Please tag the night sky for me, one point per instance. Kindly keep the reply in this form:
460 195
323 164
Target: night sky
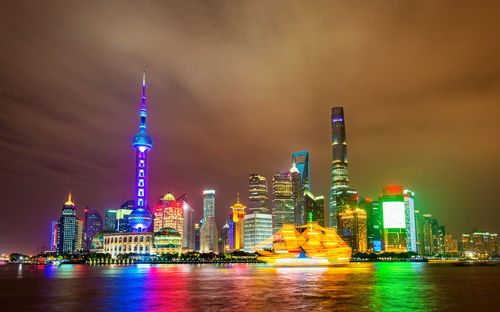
235 87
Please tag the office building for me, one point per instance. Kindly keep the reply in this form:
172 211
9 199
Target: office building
110 220
297 195
283 204
122 223
53 235
258 227
140 219
451 245
352 228
428 244
340 178
188 215
480 245
79 238
197 228
169 214
92 224
238 217
67 241
411 223
301 161
208 232
314 208
373 223
393 218
257 194
345 198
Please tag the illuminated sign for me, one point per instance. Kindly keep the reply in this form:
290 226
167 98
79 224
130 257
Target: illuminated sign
377 246
394 215
209 192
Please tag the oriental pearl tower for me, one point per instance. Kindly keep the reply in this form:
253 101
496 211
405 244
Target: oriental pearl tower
140 219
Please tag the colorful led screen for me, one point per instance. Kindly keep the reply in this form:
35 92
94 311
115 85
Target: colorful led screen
394 215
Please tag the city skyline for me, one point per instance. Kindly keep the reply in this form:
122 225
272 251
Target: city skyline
202 140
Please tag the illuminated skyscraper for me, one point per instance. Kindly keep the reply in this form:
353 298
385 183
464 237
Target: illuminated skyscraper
110 220
340 178
314 208
53 235
68 228
140 219
352 226
258 227
451 244
283 204
373 223
257 194
122 216
208 232
301 161
188 215
79 238
92 223
169 214
238 217
411 223
482 245
345 198
298 195
394 220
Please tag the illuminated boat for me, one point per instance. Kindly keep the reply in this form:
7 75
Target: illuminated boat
306 245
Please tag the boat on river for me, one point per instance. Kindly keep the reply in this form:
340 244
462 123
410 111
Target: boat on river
305 245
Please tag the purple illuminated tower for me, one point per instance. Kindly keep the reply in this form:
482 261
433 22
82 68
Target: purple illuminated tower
140 219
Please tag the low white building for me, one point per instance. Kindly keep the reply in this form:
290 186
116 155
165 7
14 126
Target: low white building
257 228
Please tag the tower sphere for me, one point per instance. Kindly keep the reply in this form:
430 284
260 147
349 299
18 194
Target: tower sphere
140 219
142 141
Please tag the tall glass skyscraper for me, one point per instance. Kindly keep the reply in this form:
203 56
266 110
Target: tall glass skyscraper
68 228
257 194
340 179
208 232
140 219
411 222
92 224
283 203
301 161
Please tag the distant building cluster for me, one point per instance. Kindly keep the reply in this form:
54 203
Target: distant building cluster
390 223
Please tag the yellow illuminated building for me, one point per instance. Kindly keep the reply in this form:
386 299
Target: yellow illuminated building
238 214
169 214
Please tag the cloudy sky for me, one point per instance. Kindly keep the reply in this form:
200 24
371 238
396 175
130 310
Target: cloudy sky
235 87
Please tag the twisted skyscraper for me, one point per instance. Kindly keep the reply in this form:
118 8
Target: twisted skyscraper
140 219
340 179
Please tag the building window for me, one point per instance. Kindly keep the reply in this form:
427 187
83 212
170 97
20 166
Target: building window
141 163
140 192
142 239
147 239
130 239
140 202
141 182
141 173
135 239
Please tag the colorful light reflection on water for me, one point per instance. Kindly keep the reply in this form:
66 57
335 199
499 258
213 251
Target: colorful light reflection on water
242 287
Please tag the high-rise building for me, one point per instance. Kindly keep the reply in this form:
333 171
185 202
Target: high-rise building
428 245
79 239
451 244
394 219
345 198
197 227
110 220
352 227
140 219
238 217
122 216
224 245
283 203
208 232
411 224
68 228
92 224
314 208
373 223
297 195
53 235
301 161
169 214
258 227
257 194
340 178
188 215
419 219
481 245
441 240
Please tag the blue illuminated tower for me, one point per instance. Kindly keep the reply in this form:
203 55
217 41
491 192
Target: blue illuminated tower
140 219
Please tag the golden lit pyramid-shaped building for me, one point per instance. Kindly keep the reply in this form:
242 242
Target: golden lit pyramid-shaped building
309 244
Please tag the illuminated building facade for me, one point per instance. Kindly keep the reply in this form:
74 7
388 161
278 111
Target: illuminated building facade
225 240
257 228
340 178
373 223
238 217
167 240
257 194
169 214
197 228
393 219
345 198
411 223
352 227
208 232
481 245
67 241
125 243
122 223
441 240
297 195
451 244
140 219
427 235
188 215
314 208
79 238
110 220
283 203
92 224
54 225
301 161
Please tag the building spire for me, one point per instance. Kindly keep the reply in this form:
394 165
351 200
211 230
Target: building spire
143 112
238 198
69 202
